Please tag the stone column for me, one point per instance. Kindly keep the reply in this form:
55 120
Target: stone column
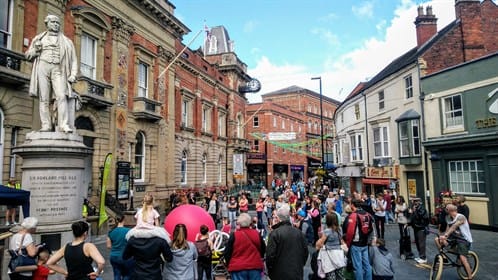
52 170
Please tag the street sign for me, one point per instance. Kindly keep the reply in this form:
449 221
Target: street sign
281 136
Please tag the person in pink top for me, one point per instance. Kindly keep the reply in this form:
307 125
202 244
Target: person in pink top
147 216
260 207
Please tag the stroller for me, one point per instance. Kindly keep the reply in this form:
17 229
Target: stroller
219 266
405 245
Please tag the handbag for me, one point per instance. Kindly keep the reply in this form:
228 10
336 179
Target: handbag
331 260
20 257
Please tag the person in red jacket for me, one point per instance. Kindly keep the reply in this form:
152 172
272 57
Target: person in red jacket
244 251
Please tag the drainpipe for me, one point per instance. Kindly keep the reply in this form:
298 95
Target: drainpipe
366 127
426 165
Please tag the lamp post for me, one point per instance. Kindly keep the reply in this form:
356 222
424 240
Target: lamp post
321 119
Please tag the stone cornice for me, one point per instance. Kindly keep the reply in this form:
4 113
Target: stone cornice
162 16
122 31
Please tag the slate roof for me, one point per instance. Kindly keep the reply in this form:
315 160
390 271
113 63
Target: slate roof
222 40
297 89
404 60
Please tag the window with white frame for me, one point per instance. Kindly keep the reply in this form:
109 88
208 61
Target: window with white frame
274 121
187 110
409 138
453 111
381 142
204 168
292 126
310 124
183 168
140 156
381 100
316 127
88 56
255 121
283 123
6 23
408 87
206 118
309 108
466 176
356 146
221 124
357 111
143 79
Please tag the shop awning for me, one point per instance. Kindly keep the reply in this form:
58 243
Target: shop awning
11 196
377 181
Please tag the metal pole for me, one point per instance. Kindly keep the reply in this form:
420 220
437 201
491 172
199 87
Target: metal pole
321 119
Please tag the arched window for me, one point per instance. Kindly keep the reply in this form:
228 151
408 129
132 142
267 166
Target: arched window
183 168
85 123
204 168
140 157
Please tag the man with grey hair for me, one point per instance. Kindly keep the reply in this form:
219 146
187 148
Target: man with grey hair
287 249
54 69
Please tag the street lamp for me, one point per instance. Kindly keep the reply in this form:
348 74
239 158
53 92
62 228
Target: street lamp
321 119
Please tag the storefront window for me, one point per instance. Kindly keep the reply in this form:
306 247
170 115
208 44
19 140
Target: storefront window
466 176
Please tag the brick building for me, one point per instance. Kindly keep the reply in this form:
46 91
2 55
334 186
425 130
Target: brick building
303 157
175 127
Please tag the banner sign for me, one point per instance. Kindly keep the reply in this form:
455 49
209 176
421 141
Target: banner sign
238 164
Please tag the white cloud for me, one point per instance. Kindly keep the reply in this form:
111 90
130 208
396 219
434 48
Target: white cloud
365 9
326 35
249 26
274 77
342 73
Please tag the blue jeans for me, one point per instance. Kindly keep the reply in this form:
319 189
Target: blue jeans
232 217
122 269
361 263
253 274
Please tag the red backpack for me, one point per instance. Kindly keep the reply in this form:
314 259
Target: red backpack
360 220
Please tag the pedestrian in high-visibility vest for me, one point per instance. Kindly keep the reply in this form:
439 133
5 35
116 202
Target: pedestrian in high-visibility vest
10 214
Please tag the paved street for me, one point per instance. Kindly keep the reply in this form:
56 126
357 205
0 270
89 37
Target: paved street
485 245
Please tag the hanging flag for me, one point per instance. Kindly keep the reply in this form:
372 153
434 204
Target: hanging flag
105 180
207 30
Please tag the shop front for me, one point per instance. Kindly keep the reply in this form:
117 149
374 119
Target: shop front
313 165
256 174
378 179
297 172
351 178
281 171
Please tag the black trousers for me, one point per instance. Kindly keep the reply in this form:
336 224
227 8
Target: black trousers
380 226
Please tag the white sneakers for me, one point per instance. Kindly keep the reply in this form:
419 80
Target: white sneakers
420 261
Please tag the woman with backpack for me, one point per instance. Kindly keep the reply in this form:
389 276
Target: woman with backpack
204 247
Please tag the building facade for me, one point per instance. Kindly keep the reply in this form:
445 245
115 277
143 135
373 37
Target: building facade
278 144
382 118
306 104
462 103
168 123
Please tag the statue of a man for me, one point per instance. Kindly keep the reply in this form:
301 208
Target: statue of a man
54 70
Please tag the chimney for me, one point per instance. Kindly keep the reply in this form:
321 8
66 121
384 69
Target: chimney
425 24
469 14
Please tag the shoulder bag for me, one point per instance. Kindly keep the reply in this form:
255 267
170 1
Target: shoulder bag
20 257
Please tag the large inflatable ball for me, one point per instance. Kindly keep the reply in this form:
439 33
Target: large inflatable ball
192 216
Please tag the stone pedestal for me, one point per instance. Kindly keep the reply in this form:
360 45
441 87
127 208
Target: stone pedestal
52 170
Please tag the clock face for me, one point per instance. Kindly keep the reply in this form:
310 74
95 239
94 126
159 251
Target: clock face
254 85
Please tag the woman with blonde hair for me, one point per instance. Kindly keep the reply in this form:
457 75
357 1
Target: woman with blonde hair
147 216
183 266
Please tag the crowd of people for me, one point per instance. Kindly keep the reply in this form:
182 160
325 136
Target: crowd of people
344 235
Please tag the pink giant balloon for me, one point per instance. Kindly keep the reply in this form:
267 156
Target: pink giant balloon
192 216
